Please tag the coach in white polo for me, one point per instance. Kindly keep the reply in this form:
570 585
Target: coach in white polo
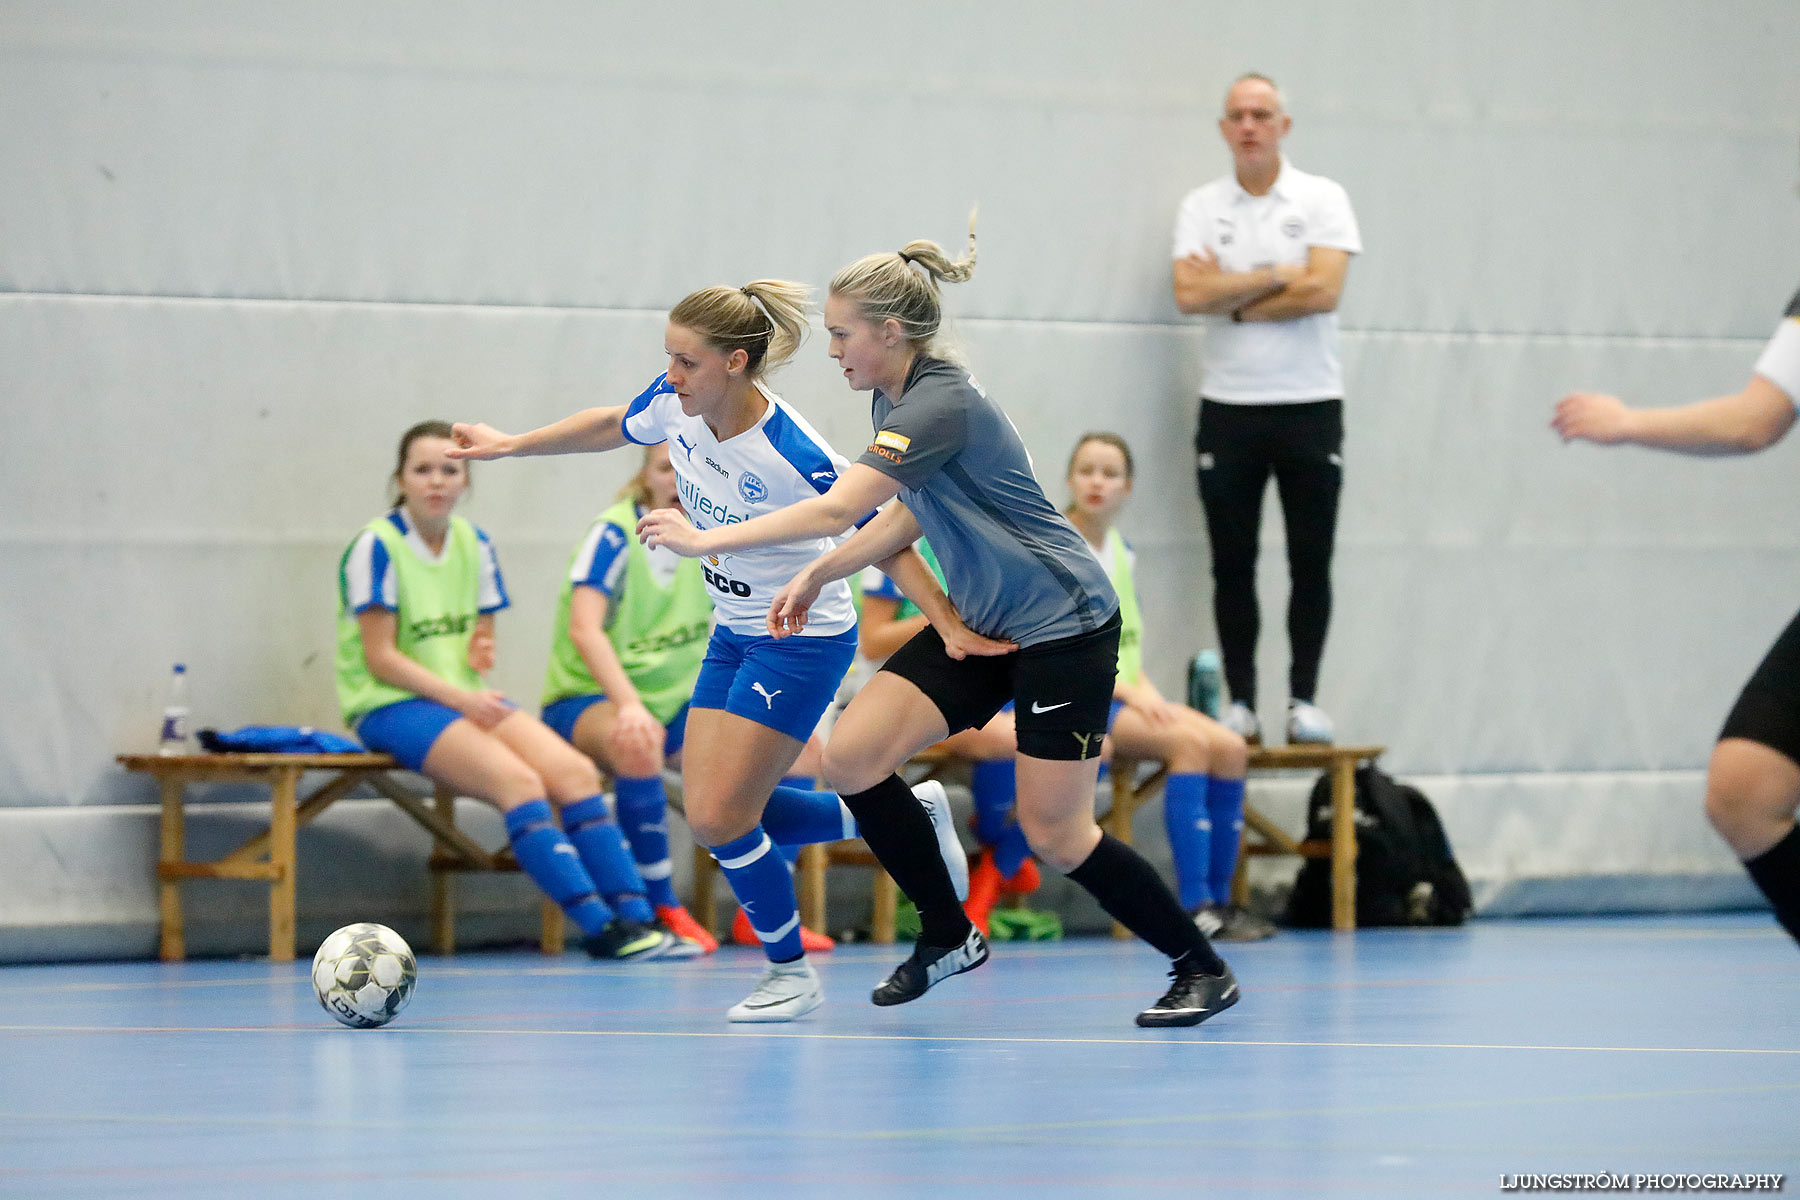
1262 254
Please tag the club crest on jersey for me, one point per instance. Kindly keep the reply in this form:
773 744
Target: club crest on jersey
752 489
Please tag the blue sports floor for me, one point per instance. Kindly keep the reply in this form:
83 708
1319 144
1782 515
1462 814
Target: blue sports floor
1384 1063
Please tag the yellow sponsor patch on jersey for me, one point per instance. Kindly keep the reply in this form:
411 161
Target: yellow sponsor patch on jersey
892 440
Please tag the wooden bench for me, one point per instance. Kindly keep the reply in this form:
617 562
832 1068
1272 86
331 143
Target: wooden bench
270 855
1130 793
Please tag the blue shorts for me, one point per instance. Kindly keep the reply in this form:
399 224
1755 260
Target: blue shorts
561 716
406 729
786 684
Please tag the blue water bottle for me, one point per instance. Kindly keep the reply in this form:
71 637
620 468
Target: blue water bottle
1205 682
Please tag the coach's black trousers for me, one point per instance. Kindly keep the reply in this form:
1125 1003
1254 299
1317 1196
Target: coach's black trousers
1239 446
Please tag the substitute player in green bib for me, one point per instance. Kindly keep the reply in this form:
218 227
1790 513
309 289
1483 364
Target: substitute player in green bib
417 592
1203 797
630 634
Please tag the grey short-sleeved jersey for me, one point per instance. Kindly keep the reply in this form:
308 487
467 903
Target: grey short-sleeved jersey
1013 565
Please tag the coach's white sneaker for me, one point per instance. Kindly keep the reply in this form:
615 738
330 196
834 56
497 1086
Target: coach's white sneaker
937 807
788 990
1307 723
1240 718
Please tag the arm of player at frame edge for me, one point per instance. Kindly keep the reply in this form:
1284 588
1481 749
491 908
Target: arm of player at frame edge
589 431
1742 423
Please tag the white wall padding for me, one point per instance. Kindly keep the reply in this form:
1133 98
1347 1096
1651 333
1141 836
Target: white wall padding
243 246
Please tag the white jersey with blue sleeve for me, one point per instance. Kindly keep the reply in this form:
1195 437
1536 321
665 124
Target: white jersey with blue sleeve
778 461
369 573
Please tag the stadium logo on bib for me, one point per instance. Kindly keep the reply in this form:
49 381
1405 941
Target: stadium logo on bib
751 488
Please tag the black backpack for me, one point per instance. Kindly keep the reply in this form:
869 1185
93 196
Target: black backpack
1405 873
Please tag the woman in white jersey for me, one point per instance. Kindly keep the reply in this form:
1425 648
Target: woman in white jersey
417 592
738 451
1018 573
1753 780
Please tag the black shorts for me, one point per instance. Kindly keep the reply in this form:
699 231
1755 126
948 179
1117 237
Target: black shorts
1062 690
1768 709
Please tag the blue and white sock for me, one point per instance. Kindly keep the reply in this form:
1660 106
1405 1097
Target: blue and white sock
1191 829
1225 803
644 816
555 866
795 817
606 856
759 878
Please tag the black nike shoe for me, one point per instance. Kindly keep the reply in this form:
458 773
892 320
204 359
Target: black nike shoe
625 940
1191 999
929 965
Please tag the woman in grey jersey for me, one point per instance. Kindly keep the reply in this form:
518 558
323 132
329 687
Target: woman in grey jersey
1031 618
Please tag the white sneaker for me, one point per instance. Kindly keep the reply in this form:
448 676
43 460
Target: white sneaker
1241 720
788 990
1307 722
937 807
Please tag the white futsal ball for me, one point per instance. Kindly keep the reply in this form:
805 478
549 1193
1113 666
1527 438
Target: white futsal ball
364 975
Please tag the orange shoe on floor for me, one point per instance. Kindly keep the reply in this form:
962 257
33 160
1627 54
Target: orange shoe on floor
1024 881
812 943
984 890
681 923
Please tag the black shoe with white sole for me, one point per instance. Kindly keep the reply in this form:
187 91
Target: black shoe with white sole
1191 999
930 965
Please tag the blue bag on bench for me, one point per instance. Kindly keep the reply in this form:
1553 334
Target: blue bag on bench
276 739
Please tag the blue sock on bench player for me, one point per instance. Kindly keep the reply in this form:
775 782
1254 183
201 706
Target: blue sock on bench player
644 817
994 786
759 878
603 851
1225 804
1188 819
555 866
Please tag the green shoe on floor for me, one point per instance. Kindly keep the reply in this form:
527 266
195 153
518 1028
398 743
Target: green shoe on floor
906 921
1024 925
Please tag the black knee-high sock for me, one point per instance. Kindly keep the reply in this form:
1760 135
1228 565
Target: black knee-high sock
1777 872
1134 895
896 826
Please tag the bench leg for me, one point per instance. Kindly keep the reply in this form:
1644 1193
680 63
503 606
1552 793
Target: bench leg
809 876
706 905
1343 844
551 929
443 896
1240 879
282 833
886 896
1118 819
173 946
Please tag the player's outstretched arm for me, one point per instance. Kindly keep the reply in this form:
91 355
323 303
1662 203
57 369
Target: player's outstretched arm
586 432
1742 423
891 530
859 491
